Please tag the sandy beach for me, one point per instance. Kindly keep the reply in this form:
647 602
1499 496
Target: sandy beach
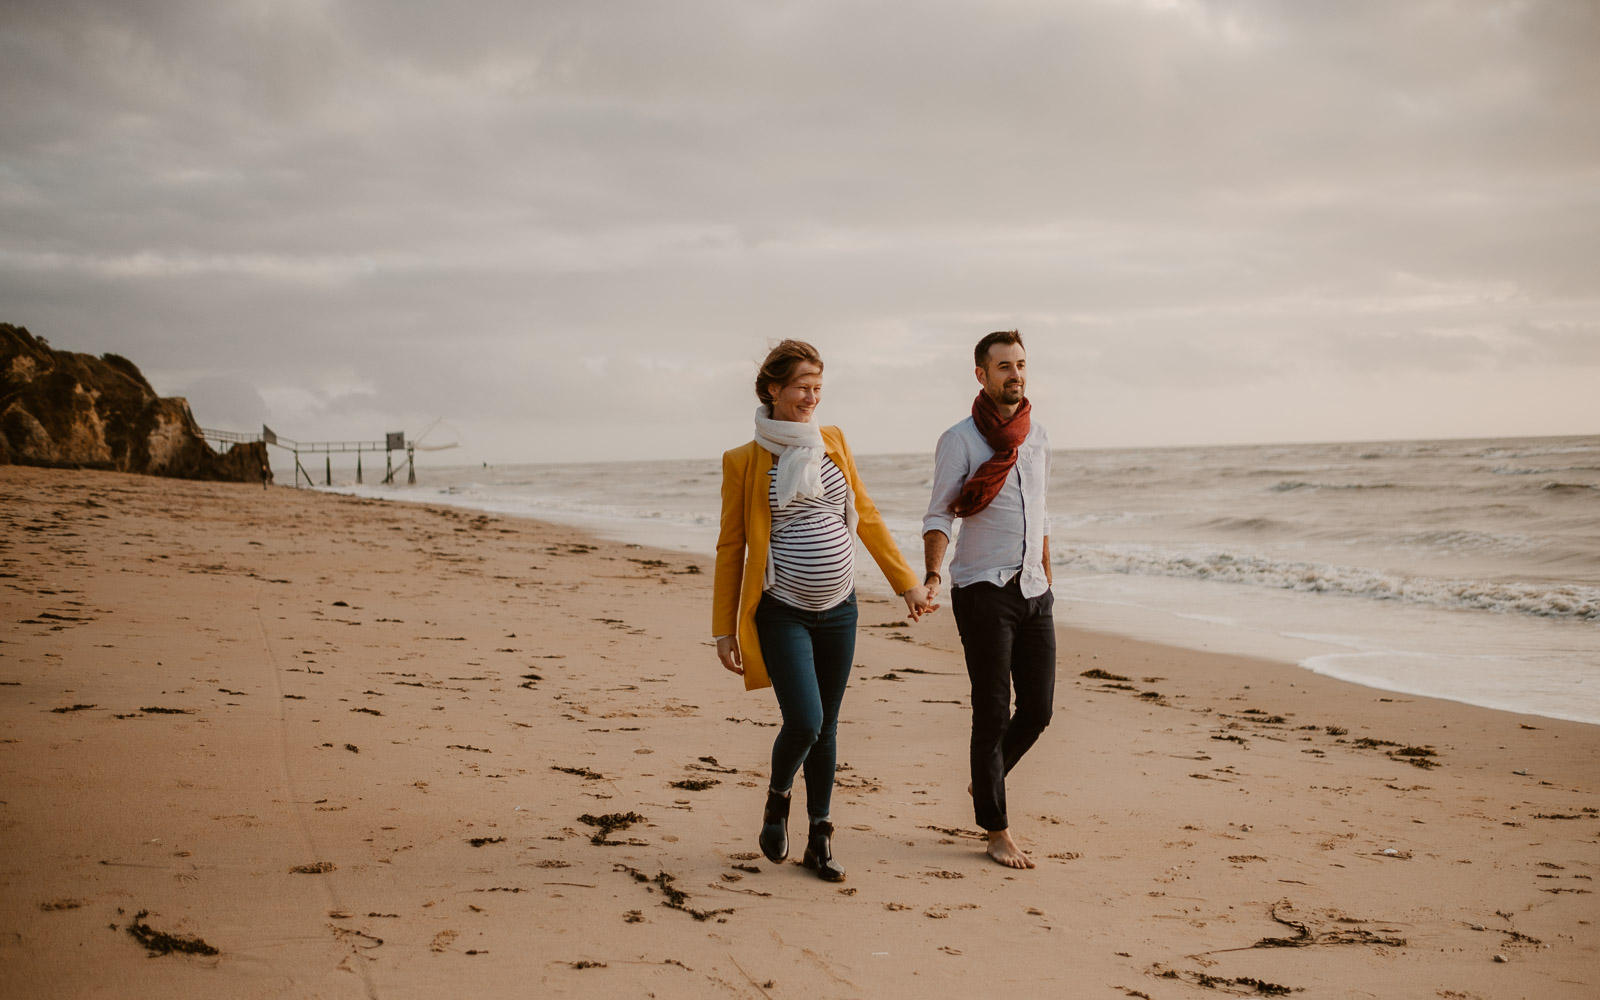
324 746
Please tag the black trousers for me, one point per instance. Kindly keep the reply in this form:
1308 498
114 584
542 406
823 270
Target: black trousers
1010 642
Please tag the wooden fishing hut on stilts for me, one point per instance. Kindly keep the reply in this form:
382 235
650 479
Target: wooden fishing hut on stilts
393 441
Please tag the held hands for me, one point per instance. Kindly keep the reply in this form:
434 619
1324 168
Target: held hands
728 653
919 602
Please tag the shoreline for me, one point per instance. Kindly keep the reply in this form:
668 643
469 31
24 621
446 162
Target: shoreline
1085 603
431 702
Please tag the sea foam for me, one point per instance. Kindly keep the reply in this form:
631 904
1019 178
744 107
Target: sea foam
1220 566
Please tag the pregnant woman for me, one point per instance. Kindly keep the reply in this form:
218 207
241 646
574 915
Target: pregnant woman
784 604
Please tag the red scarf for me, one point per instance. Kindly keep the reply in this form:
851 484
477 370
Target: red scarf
1004 435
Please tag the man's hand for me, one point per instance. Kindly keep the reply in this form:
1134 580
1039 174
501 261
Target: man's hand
728 653
1049 577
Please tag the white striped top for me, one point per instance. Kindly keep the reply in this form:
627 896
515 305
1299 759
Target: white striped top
813 555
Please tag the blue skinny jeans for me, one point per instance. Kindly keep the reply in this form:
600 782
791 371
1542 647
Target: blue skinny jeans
808 656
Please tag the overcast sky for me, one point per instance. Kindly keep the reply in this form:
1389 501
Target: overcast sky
569 229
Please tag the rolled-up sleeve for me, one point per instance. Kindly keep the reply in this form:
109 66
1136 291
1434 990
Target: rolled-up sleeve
1047 454
949 475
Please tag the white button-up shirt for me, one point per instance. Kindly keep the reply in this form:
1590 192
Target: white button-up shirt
1006 536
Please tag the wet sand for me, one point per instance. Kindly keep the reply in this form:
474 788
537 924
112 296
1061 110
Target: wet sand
278 743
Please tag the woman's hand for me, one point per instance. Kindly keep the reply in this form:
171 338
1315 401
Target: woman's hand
728 653
919 602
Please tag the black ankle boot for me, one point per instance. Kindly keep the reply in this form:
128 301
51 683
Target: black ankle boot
775 827
819 853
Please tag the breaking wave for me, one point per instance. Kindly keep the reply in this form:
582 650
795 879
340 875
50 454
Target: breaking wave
1289 485
1542 600
1511 470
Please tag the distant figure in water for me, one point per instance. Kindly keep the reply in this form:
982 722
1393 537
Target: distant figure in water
992 470
784 605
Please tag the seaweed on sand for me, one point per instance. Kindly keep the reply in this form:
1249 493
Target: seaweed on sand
1305 938
1103 675
161 943
582 772
676 898
608 823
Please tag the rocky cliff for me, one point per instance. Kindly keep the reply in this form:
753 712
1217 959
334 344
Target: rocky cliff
62 409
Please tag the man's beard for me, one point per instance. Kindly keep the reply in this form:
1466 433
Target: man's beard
1007 394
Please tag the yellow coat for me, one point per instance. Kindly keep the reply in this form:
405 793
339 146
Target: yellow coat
747 530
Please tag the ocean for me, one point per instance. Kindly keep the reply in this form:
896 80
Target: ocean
1461 569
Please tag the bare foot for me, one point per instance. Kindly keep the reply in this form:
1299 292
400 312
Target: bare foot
1005 850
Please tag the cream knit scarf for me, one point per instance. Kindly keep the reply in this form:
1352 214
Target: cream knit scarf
800 452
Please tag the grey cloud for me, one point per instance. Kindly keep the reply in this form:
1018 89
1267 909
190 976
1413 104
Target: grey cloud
466 206
1387 352
225 402
1562 344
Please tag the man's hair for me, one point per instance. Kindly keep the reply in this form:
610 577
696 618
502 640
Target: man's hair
980 354
779 367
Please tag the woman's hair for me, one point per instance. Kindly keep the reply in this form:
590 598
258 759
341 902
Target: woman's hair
779 367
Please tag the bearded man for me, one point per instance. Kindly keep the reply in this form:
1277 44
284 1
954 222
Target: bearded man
992 470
